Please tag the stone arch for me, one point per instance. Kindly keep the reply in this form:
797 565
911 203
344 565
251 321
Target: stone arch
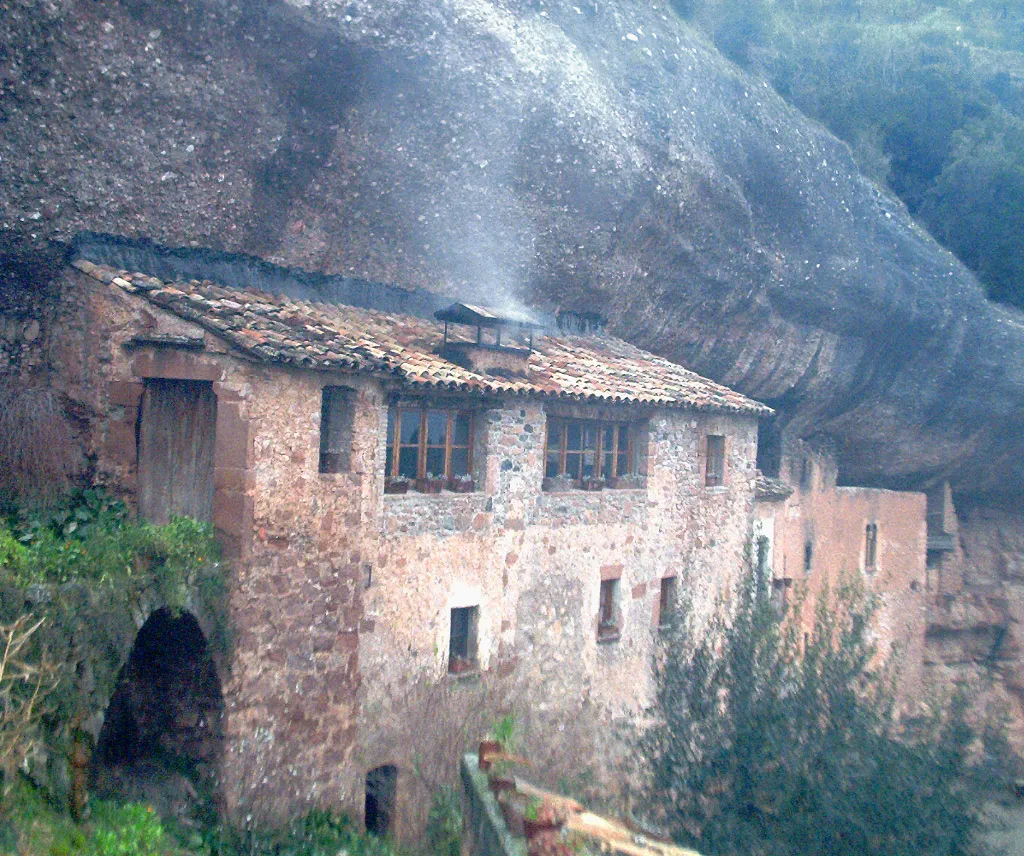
162 740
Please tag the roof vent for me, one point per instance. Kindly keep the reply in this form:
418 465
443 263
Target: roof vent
488 341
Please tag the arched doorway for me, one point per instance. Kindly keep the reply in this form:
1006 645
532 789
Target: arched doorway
162 738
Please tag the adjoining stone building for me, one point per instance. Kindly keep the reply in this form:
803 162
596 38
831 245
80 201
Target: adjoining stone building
811 534
403 502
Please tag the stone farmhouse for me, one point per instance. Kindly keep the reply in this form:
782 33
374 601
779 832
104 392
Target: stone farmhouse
406 498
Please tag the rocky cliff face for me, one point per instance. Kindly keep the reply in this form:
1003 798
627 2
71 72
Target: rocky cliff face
596 155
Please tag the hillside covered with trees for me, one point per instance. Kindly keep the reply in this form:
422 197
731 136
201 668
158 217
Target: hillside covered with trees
929 97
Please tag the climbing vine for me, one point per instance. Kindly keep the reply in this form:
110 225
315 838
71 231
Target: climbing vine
85 576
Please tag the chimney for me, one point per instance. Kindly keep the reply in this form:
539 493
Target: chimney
488 341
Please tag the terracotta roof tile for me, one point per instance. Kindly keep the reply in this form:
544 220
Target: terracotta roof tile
280 329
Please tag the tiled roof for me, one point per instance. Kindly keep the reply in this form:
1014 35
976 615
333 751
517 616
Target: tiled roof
279 329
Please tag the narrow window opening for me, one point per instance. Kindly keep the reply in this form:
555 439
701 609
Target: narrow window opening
714 465
335 429
379 809
808 556
870 546
608 611
667 602
462 643
806 474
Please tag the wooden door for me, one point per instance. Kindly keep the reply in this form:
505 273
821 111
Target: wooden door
177 426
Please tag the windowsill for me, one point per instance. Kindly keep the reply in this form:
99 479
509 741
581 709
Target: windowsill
608 636
469 675
716 489
417 494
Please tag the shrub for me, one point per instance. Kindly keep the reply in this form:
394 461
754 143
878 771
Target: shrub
764 748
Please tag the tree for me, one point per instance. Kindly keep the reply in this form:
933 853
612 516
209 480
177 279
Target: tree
766 749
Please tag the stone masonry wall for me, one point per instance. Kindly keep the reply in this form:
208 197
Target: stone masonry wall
341 595
833 520
533 562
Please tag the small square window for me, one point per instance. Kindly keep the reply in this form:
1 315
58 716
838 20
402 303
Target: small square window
608 628
714 464
335 429
667 602
462 644
870 546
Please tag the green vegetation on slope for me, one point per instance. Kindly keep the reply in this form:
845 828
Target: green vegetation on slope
777 747
929 98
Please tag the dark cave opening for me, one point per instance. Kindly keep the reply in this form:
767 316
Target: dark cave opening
381 784
162 737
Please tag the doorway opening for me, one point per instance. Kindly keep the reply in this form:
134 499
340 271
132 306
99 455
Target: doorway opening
162 738
381 783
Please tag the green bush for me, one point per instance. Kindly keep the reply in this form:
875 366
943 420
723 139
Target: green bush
444 823
767 749
124 830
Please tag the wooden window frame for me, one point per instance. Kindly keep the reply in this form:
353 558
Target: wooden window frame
394 441
600 426
714 461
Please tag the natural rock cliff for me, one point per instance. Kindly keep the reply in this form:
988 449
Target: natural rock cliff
596 155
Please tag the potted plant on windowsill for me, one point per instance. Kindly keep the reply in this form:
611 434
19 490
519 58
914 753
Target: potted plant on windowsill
431 483
396 484
461 484
558 484
593 483
629 481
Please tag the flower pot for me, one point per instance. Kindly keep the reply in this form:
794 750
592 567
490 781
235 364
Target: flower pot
497 784
430 485
396 485
484 753
532 828
557 484
458 485
593 484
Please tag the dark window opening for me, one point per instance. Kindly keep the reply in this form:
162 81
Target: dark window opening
780 595
462 643
177 427
667 602
589 449
336 415
608 611
808 556
870 545
806 473
714 463
429 443
769 447
162 735
379 808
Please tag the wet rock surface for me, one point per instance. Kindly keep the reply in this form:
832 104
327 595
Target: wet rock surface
589 155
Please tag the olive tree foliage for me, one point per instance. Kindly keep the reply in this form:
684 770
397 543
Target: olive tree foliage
763 748
927 96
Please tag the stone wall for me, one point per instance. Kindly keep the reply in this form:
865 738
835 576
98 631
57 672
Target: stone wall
341 595
833 521
975 614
